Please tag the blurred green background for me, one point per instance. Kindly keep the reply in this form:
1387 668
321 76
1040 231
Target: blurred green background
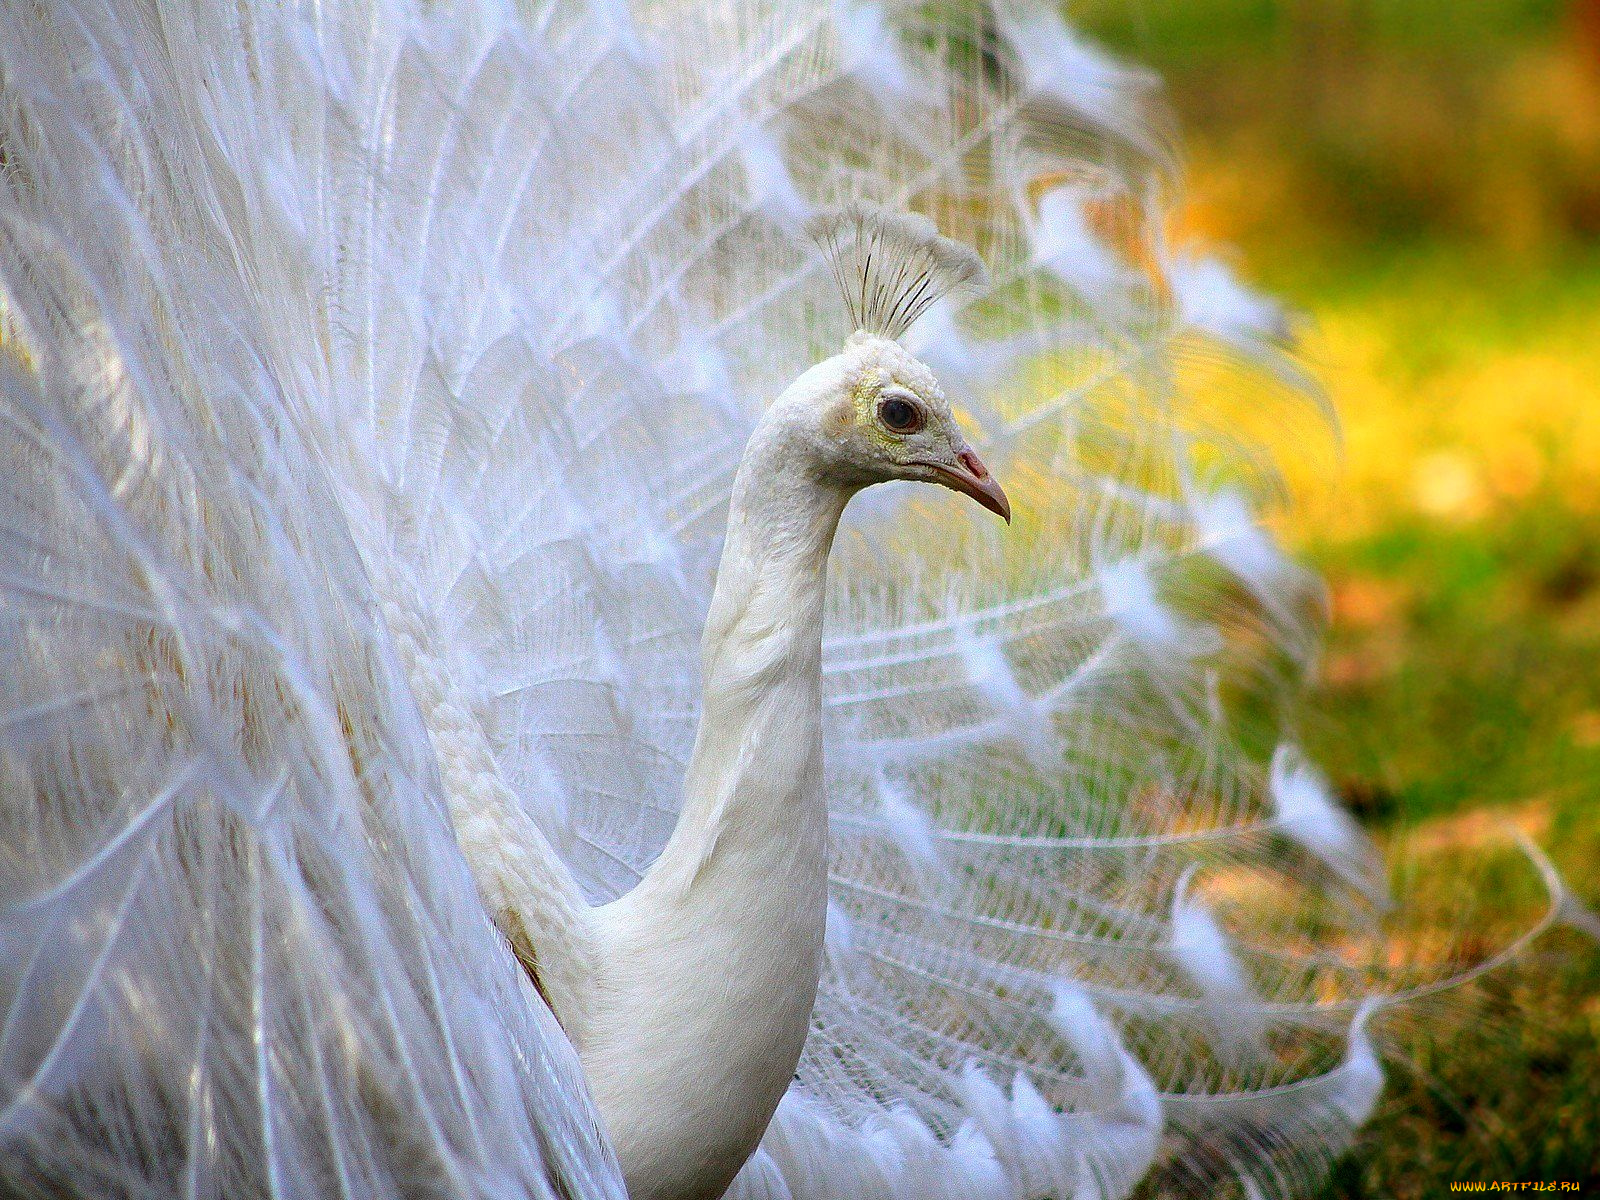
1422 179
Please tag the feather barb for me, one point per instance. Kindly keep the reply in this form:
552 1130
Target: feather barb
891 266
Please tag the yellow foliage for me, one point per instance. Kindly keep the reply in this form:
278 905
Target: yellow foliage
1479 429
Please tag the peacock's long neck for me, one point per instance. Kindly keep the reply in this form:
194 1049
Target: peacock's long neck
709 968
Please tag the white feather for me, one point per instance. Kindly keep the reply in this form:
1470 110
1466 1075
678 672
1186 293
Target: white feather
1308 814
373 380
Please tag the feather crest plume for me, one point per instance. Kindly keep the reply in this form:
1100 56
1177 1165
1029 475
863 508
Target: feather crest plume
890 266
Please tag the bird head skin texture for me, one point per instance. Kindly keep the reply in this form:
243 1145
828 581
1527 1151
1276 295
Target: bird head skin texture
873 413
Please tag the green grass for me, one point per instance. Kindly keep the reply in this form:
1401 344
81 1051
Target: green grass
1468 690
1423 178
1480 688
1173 36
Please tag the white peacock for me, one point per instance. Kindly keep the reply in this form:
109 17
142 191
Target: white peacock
379 384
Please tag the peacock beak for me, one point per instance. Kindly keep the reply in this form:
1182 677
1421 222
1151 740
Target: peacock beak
972 478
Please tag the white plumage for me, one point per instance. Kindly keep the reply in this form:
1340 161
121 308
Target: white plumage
373 382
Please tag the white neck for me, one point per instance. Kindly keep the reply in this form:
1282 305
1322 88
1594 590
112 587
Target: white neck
708 970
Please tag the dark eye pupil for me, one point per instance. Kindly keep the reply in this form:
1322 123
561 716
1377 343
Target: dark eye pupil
899 414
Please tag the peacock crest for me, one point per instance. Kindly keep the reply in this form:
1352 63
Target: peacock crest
891 266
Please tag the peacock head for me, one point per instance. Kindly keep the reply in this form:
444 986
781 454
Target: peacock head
877 412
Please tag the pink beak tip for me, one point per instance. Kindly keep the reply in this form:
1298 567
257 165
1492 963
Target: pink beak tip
982 486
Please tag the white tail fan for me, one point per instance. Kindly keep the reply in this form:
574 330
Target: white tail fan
372 380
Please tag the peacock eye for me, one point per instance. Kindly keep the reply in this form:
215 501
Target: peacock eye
900 413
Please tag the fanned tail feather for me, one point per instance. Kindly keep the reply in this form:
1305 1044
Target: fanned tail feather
240 953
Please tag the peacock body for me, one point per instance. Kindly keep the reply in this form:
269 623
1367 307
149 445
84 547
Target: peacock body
374 380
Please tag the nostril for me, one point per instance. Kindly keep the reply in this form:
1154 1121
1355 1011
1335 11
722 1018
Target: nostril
974 464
